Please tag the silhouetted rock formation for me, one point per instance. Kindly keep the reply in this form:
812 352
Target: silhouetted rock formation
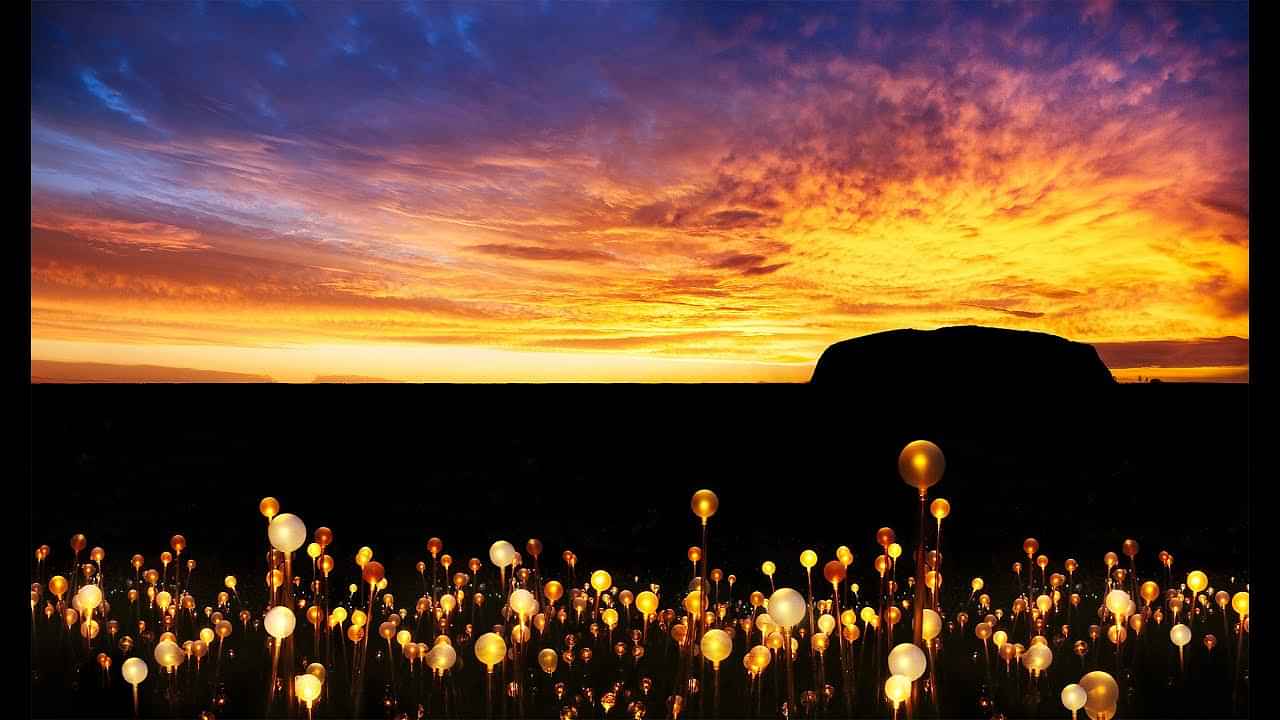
955 359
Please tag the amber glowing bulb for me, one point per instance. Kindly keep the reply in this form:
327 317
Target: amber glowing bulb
704 504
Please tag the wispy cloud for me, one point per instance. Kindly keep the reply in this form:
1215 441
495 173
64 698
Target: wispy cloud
109 97
1007 311
530 252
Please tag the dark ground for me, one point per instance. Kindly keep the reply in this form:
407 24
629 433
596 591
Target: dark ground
607 471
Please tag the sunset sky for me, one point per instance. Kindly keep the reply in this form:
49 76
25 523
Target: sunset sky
632 191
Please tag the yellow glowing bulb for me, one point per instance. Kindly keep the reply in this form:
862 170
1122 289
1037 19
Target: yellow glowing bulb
601 581
1240 603
1197 581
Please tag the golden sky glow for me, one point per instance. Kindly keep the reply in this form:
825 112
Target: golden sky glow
724 210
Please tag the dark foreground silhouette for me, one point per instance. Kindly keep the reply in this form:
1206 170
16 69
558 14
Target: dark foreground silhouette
607 471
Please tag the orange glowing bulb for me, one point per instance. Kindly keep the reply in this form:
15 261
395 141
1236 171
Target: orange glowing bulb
704 504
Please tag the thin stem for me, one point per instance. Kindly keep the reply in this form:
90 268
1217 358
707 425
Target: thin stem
488 693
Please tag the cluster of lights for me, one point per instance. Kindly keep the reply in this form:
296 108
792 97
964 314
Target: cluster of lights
704 632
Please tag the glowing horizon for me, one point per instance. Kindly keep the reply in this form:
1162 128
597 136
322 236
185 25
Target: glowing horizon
640 192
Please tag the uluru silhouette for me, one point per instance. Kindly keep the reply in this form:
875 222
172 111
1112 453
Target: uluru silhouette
969 356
